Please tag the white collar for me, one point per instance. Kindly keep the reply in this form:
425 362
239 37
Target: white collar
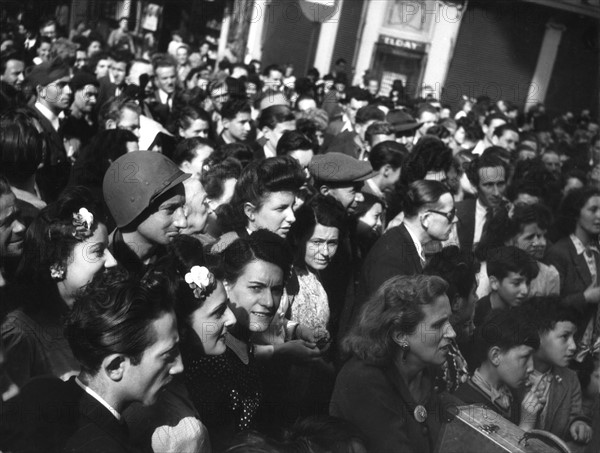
49 114
98 398
417 242
164 97
374 188
580 248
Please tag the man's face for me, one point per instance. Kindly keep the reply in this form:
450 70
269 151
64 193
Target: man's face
273 135
81 59
489 132
274 80
95 46
195 165
118 71
102 68
166 78
197 128
129 120
238 127
353 107
168 219
159 362
13 74
428 119
196 207
182 56
492 186
373 87
440 221
509 141
49 31
136 70
515 365
58 94
552 163
86 98
12 231
349 196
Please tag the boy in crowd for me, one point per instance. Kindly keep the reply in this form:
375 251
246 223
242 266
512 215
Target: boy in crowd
504 347
510 271
562 414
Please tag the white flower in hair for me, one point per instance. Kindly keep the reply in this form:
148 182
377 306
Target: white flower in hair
87 217
200 280
83 221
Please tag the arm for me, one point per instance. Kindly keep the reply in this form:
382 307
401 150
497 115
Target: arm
558 258
579 425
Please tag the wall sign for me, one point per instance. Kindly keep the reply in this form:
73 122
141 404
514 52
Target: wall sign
402 43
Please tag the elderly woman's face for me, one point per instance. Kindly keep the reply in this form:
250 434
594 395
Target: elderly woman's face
255 296
430 341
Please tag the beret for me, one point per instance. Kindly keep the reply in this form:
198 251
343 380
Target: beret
82 79
339 168
47 72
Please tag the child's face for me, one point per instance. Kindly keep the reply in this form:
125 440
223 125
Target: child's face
515 365
557 346
512 289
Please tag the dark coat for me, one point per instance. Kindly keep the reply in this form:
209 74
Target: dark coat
575 278
465 228
55 416
379 403
53 177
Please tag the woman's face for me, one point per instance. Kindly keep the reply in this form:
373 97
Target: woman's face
44 51
255 296
94 47
589 217
321 247
276 213
212 320
430 341
372 218
531 239
459 135
87 259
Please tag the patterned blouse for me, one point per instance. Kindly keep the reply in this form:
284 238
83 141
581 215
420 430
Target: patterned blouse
310 306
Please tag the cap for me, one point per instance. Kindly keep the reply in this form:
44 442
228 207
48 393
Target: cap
47 72
402 121
82 79
338 168
135 180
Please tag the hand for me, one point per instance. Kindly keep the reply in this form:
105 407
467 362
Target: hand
306 333
531 405
297 351
581 431
592 294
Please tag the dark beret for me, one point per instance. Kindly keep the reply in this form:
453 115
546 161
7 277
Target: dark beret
48 72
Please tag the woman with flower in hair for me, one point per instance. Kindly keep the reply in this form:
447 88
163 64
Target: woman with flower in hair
64 248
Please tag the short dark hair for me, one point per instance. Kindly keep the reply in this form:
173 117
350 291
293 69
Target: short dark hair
389 153
493 116
504 260
113 109
113 315
484 161
456 267
422 193
321 210
219 168
369 113
96 57
378 128
122 56
272 67
185 151
544 312
506 329
429 154
189 113
273 115
8 55
260 245
505 127
234 106
293 141
162 60
425 107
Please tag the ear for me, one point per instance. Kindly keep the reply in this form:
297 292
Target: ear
456 303
185 167
225 122
399 337
324 190
424 220
181 132
111 124
494 283
114 366
386 170
494 355
266 132
249 211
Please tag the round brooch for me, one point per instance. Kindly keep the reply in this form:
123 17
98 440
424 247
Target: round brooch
420 414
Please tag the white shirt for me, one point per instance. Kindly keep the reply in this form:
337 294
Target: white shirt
480 213
418 244
165 98
49 114
98 398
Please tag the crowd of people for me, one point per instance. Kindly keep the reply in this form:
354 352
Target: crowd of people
203 256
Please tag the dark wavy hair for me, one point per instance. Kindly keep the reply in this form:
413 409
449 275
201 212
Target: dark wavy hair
429 154
570 208
257 181
321 210
395 307
114 315
422 194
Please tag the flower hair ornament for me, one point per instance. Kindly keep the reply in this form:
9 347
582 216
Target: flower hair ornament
83 220
201 281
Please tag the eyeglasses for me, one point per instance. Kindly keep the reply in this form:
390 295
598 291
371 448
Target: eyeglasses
450 216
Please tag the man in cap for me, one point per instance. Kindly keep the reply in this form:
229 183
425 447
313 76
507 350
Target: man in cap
145 195
51 82
80 124
404 125
340 177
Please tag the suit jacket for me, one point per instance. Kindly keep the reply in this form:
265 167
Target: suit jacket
53 177
564 403
107 90
575 278
161 112
55 416
381 406
465 228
